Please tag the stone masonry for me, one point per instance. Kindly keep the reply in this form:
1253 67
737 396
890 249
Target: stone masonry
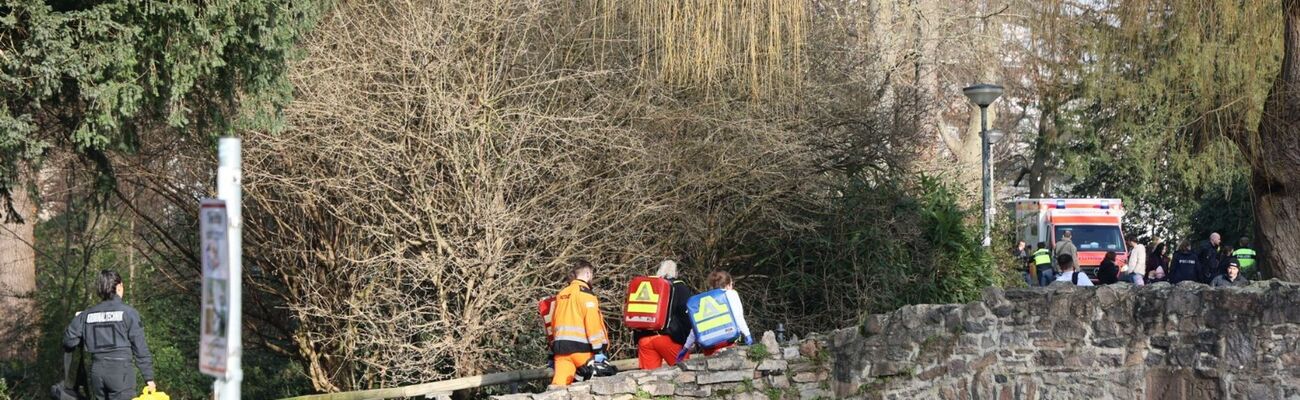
1062 342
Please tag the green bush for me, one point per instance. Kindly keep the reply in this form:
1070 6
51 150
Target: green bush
881 244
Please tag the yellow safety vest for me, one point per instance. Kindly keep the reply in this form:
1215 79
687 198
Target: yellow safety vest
1042 256
1245 257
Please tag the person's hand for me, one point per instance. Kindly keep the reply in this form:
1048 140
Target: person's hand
682 354
600 357
749 340
152 386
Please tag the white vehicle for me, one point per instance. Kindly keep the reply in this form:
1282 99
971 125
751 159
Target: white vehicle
1095 225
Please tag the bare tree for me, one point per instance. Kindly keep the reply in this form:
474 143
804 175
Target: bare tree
445 160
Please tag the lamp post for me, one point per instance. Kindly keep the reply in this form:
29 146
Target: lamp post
982 95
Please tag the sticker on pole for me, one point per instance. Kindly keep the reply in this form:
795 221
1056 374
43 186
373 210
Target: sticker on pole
214 244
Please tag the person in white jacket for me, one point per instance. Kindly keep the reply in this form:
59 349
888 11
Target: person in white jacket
1136 266
722 280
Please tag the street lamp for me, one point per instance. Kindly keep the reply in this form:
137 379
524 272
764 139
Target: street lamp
982 95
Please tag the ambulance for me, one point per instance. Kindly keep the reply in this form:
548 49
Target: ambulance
1095 224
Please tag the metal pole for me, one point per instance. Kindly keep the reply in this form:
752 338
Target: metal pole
229 177
988 176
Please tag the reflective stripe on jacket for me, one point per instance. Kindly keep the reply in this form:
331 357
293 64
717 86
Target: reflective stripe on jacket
1245 257
579 327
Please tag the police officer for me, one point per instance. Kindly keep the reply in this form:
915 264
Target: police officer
111 332
1246 258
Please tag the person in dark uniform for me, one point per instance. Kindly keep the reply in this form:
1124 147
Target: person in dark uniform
111 333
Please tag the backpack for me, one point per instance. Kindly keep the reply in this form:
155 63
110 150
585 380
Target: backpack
546 307
1074 279
649 299
712 318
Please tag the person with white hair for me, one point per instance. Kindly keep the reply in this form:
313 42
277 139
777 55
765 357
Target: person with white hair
655 348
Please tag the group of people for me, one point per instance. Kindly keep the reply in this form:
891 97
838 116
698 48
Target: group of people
579 339
1212 263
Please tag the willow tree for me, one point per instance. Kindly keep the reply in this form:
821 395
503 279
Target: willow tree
1274 154
1178 104
714 44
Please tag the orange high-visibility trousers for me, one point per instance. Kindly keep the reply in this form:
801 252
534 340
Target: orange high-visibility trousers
566 367
653 351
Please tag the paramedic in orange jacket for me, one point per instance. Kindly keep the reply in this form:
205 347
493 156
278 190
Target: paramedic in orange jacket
580 333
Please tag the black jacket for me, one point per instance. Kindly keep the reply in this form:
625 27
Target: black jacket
111 331
679 324
1108 273
1184 267
1222 281
1208 262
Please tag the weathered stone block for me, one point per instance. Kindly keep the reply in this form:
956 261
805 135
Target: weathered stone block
724 362
772 366
552 395
685 377
693 391
694 364
779 381
814 393
583 387
1049 358
808 348
723 376
932 373
805 377
790 353
659 389
768 340
613 385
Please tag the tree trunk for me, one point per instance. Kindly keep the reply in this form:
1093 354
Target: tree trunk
1040 180
967 146
1275 161
18 277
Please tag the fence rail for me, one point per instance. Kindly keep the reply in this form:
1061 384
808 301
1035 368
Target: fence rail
448 386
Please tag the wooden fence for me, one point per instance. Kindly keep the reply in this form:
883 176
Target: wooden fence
447 387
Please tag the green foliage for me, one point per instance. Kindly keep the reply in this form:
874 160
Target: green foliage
95 77
773 393
1169 86
757 352
746 385
881 245
1228 211
74 246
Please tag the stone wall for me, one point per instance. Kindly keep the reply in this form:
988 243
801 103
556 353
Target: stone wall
1061 342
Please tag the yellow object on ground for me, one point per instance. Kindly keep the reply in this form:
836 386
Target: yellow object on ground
150 394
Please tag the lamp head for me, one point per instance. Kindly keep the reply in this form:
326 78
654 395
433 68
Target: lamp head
982 94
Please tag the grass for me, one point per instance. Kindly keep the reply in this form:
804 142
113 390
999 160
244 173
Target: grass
758 352
773 393
821 357
746 386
